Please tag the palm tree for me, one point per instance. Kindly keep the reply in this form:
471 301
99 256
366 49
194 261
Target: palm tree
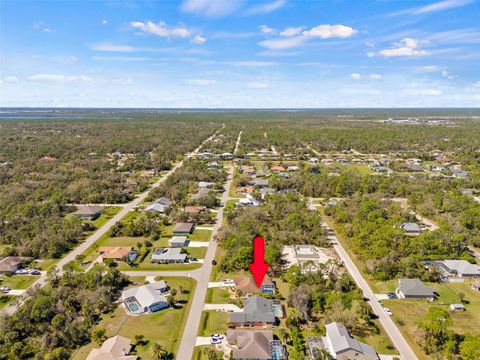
158 351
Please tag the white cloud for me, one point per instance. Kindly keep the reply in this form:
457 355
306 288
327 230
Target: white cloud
210 8
257 85
199 40
122 81
330 31
199 82
477 84
283 43
104 22
161 29
292 31
266 8
267 30
440 6
40 25
10 80
407 47
356 76
59 79
428 69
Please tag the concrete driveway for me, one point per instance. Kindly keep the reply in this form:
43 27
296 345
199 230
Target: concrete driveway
222 307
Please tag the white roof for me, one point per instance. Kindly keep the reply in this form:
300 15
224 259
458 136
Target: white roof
339 340
148 294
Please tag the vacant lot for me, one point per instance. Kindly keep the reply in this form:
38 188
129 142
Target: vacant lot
213 322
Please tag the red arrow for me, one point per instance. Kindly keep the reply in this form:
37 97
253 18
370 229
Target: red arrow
259 267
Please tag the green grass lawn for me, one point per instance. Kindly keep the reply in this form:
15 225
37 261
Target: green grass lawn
196 252
380 342
107 214
18 281
198 353
213 322
200 235
164 327
218 296
5 300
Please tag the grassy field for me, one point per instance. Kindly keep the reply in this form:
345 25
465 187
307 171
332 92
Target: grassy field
213 322
198 354
164 327
5 300
218 296
107 214
18 281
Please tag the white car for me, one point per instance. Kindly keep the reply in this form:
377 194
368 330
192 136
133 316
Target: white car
216 336
387 311
5 289
228 282
215 341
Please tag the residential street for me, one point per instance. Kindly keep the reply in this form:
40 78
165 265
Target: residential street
42 280
391 329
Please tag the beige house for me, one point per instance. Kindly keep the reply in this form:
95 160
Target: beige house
114 348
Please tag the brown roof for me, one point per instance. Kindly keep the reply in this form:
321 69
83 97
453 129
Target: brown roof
194 209
114 252
278 168
10 263
245 189
247 284
183 227
88 210
250 344
117 347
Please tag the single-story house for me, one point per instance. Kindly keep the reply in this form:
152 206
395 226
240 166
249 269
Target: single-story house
340 345
183 228
88 212
248 202
146 298
194 209
248 170
246 285
266 191
457 307
226 155
259 183
313 160
114 348
156 208
10 264
255 344
411 228
292 168
201 194
245 189
177 241
459 268
278 168
169 256
117 253
256 311
163 201
414 289
205 184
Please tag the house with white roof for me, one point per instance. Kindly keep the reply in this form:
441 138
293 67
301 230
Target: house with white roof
341 346
147 298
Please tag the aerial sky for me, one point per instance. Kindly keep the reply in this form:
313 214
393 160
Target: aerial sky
240 53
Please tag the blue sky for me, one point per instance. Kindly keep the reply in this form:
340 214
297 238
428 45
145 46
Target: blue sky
240 53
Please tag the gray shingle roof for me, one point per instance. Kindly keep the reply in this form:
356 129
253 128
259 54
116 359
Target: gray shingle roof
339 341
414 287
256 310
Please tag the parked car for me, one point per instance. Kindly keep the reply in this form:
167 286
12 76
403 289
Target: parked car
215 341
391 295
387 311
5 289
216 336
214 262
228 282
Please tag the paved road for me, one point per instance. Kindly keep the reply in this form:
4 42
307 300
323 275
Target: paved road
238 142
395 335
42 280
202 276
